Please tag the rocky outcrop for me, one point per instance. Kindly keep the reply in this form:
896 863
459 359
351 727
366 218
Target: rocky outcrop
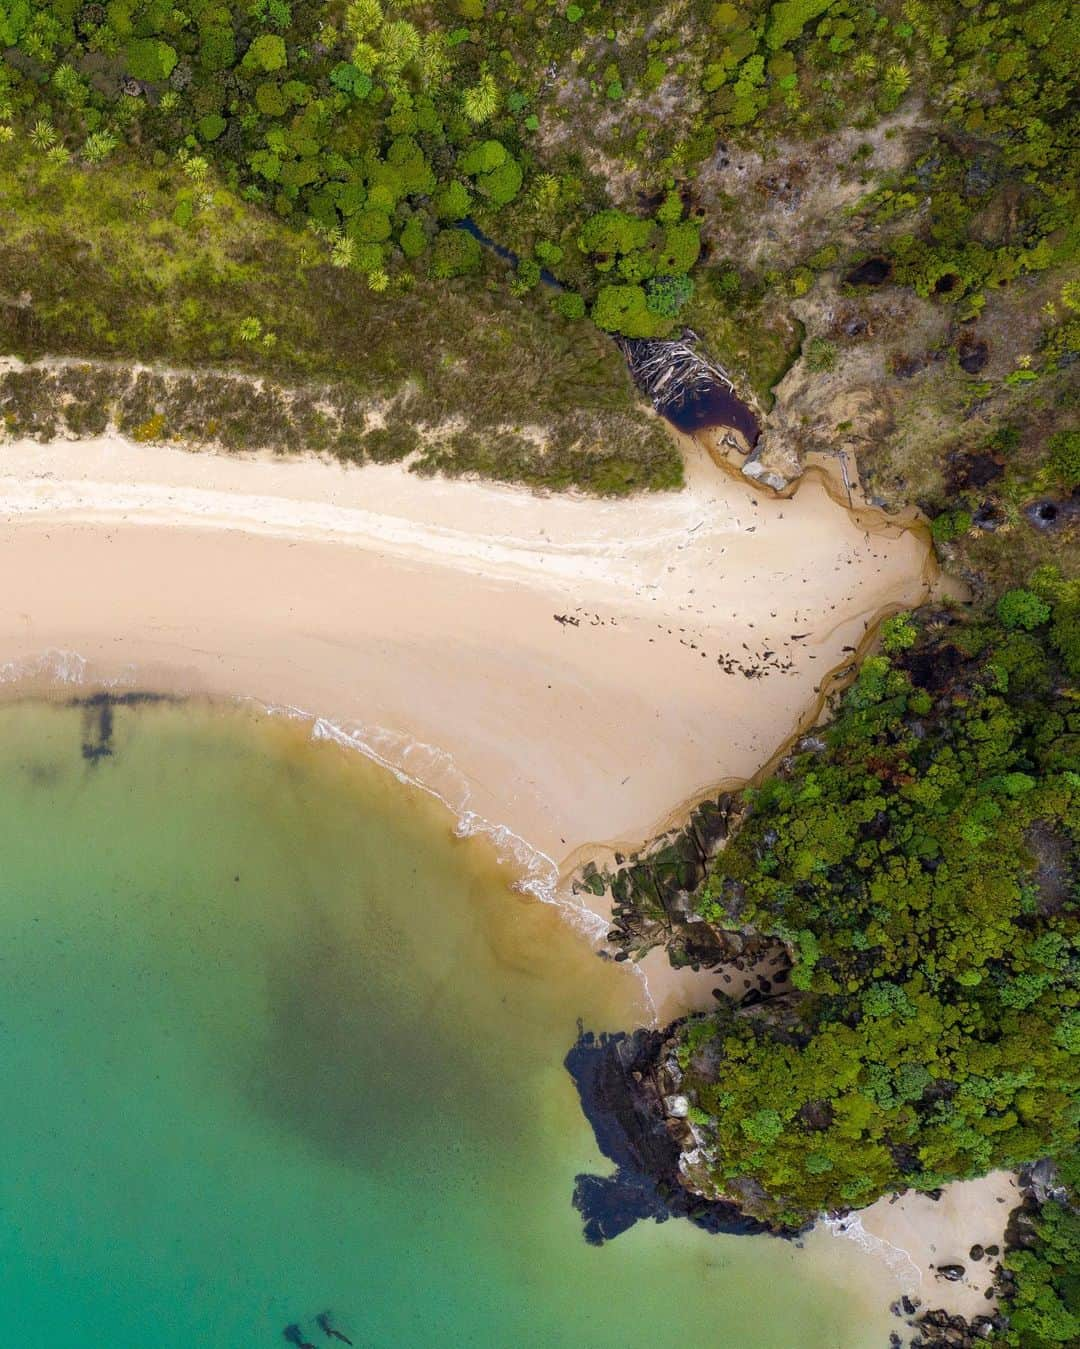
629 1092
776 464
652 894
937 1328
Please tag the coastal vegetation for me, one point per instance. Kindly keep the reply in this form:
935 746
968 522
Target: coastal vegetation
249 340
1039 1284
919 868
792 177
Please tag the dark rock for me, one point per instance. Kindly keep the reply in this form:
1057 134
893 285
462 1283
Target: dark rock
1041 1180
973 470
816 1115
988 516
976 1253
972 355
615 1076
982 173
933 668
951 1272
993 1250
1049 515
907 367
872 272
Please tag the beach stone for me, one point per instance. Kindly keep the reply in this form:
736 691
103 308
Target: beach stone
976 1252
951 1272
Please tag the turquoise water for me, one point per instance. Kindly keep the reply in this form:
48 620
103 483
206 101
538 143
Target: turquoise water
275 1042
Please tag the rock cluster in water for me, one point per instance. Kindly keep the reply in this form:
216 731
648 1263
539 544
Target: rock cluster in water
631 1101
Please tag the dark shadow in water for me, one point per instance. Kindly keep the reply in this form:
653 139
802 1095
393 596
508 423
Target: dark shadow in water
630 1132
98 718
365 1067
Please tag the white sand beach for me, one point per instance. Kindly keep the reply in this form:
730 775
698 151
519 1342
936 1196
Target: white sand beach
427 615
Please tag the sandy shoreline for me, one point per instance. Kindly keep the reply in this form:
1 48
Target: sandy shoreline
421 621
427 609
560 671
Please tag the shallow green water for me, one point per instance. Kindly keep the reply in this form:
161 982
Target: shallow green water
274 1041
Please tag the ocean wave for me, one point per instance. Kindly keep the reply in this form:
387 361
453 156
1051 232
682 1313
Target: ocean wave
60 667
433 771
413 762
895 1258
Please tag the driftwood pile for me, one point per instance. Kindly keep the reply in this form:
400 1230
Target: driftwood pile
671 372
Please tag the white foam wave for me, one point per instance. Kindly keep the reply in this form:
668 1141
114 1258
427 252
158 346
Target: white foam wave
895 1259
60 667
414 762
433 771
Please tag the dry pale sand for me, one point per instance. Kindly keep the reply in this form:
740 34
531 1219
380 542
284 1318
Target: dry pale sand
916 1235
424 614
421 621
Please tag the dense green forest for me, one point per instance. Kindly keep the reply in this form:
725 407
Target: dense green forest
381 127
919 860
791 179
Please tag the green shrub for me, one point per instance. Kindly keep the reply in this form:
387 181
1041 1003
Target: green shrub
211 126
150 59
412 239
266 53
456 253
1022 609
788 18
571 305
217 48
898 634
666 295
453 202
819 355
624 309
612 232
1064 458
